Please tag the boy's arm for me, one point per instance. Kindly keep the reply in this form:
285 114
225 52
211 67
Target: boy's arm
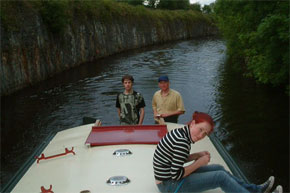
202 161
119 112
195 156
118 106
142 115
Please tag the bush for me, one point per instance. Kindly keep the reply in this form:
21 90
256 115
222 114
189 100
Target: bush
257 36
55 15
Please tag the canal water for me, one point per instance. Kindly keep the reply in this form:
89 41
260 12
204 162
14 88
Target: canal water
252 121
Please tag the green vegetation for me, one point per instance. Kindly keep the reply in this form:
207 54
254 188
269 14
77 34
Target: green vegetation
132 2
257 36
195 7
173 5
161 4
9 14
57 15
208 9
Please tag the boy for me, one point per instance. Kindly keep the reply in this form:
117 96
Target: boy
130 104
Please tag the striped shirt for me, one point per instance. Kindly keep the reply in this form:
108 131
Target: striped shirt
171 154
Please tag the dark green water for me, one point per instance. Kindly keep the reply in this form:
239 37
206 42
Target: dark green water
252 121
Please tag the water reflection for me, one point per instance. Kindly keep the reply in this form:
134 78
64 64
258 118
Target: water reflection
256 123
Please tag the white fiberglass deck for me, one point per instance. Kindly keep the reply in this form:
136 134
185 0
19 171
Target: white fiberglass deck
91 167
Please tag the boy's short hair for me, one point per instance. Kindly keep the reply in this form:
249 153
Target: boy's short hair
128 77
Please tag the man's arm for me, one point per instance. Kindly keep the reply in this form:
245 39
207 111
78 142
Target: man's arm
154 106
172 114
180 105
155 113
142 115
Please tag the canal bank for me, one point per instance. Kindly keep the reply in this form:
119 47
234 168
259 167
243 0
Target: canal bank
34 47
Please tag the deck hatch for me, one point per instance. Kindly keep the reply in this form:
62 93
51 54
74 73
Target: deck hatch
128 134
122 152
118 180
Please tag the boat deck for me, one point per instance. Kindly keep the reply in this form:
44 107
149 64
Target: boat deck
91 167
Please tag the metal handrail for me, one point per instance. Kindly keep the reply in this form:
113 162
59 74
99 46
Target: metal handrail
19 174
228 158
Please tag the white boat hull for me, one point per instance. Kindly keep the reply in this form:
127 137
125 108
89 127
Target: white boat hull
91 167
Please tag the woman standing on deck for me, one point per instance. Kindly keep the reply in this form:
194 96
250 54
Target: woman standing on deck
173 151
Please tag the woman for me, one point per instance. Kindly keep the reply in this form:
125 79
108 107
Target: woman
173 151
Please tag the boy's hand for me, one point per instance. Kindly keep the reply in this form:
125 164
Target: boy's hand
203 153
204 160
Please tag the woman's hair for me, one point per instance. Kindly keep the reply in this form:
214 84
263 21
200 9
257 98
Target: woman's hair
200 117
128 77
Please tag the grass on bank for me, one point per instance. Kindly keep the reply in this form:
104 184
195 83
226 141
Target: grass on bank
58 14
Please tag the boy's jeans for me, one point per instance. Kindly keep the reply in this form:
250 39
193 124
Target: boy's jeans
208 177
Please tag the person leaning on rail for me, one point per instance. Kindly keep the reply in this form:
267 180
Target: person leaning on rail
167 103
173 151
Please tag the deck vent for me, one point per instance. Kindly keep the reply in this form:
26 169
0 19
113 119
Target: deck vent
122 152
118 180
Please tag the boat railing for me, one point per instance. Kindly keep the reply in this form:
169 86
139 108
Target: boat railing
228 158
26 165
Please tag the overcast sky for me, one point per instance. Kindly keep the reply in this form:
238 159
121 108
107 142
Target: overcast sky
202 2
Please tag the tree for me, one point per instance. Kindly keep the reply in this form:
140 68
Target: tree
257 37
132 2
54 14
207 9
195 7
173 4
152 3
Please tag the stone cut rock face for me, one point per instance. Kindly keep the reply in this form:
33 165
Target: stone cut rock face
32 54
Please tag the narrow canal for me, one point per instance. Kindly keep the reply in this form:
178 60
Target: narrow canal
252 121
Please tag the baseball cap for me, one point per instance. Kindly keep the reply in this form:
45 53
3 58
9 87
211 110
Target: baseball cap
163 78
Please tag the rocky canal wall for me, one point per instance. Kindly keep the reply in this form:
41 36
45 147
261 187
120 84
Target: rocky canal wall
32 53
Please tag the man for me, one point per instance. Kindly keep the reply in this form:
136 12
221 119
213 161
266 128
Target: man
167 103
130 104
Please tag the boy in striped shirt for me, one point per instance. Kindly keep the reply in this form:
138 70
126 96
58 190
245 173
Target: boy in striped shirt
173 151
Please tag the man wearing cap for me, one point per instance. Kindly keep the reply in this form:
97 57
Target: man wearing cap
167 103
